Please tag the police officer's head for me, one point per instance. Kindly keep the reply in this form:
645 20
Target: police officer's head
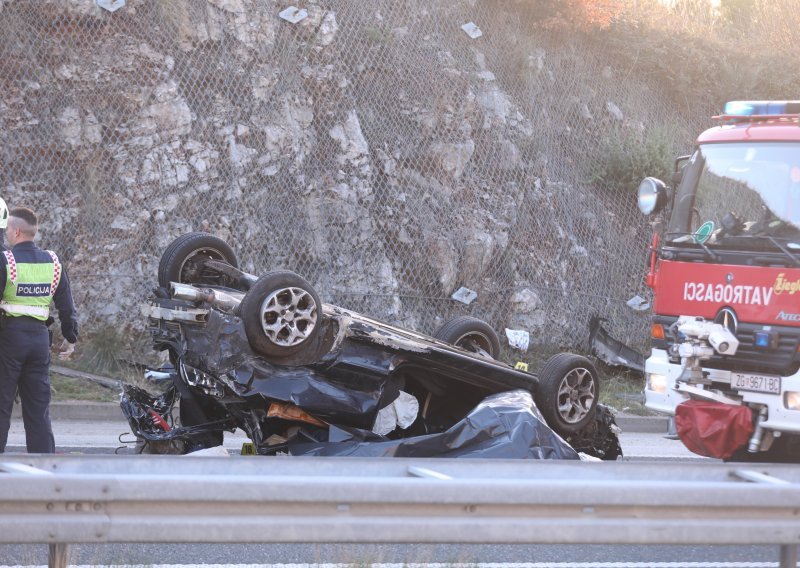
22 226
3 214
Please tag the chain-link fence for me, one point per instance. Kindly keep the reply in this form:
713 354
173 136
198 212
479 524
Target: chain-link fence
376 148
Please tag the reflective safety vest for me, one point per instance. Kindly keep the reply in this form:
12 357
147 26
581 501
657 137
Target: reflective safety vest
30 286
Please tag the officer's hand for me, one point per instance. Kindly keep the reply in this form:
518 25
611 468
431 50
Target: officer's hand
66 350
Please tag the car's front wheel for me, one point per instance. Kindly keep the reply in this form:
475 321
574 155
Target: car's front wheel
281 313
471 334
568 392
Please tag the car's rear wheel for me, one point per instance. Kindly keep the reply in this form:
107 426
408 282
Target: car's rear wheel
471 334
184 259
568 392
282 314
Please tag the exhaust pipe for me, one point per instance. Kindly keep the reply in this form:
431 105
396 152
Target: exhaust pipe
216 298
758 433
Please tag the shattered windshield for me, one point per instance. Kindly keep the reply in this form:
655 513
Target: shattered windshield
746 194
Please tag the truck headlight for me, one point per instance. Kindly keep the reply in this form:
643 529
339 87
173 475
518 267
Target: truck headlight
791 399
657 383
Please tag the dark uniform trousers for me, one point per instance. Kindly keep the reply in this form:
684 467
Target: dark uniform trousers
24 363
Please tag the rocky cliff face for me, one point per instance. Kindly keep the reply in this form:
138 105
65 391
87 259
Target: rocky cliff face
375 148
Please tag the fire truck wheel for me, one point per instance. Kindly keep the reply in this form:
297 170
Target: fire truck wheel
568 392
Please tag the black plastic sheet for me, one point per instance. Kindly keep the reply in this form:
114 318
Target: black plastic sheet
503 426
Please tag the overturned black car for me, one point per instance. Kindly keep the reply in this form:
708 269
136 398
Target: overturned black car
300 377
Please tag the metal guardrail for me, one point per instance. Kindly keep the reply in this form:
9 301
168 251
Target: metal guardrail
115 499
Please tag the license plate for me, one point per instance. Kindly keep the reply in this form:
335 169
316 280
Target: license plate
756 383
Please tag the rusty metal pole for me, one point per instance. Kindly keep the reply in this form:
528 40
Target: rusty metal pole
59 555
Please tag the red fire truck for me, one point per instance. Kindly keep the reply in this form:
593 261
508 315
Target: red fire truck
725 273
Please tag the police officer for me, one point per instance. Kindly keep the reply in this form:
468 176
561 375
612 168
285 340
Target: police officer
30 279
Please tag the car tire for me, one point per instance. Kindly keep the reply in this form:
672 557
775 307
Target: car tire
270 311
178 263
467 332
568 393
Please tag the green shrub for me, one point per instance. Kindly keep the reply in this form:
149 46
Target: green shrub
631 156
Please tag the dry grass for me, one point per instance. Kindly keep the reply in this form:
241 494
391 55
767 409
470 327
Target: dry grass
699 51
767 25
106 353
623 391
72 388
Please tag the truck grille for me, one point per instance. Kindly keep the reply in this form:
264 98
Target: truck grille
783 360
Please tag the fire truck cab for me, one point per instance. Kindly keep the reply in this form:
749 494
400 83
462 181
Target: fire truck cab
725 274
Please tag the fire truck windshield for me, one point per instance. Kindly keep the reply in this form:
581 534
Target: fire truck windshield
733 192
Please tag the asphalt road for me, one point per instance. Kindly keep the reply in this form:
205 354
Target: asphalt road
112 435
399 556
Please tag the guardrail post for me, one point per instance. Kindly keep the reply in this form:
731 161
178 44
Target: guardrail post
59 555
788 556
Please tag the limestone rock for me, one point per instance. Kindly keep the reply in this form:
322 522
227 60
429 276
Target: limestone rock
453 158
351 140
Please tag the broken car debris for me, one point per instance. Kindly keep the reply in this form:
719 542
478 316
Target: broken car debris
610 350
305 378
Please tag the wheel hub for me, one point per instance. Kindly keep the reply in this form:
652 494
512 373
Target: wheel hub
288 316
576 395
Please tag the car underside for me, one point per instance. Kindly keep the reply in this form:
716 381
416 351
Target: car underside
301 377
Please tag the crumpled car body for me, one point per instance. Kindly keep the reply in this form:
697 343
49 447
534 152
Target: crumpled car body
356 386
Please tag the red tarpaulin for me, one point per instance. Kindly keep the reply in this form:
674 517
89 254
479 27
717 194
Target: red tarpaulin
713 429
